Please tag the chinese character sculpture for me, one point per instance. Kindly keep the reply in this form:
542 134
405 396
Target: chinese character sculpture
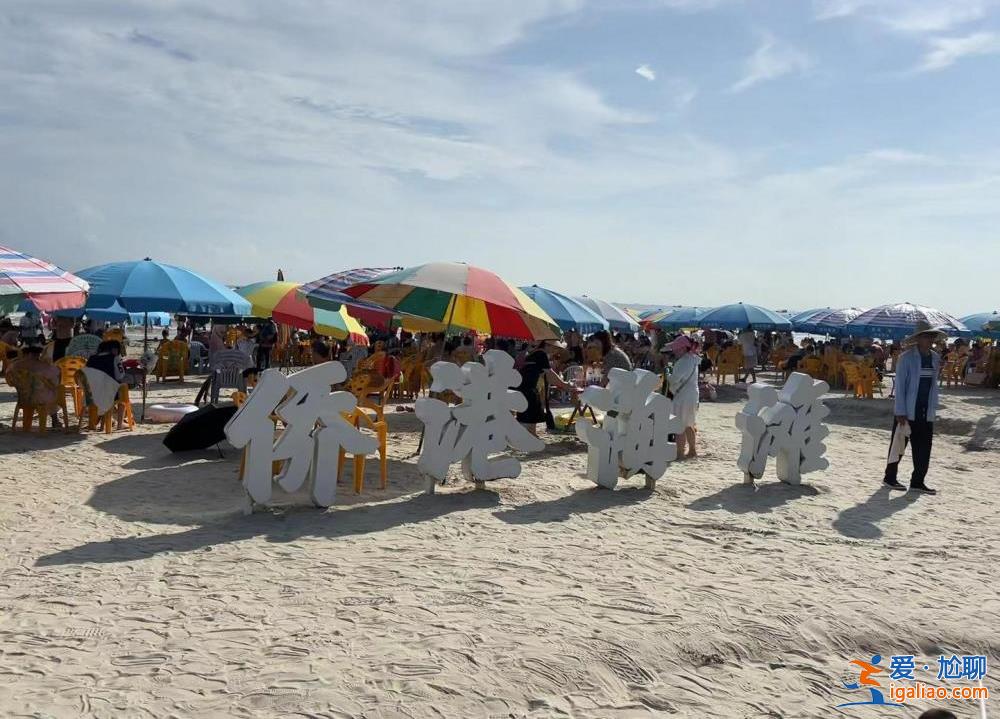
786 424
309 443
482 425
634 435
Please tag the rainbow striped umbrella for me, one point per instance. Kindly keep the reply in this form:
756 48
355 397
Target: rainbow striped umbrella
459 295
46 286
282 302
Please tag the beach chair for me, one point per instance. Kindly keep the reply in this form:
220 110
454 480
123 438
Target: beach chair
730 362
198 360
172 360
227 372
361 420
68 367
105 420
4 362
32 391
364 386
812 366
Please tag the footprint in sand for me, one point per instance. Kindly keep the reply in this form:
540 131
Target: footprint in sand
143 659
414 670
365 601
621 663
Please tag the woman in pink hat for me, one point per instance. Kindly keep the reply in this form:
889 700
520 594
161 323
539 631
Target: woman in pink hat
682 386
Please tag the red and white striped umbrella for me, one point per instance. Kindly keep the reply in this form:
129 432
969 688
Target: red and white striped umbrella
46 286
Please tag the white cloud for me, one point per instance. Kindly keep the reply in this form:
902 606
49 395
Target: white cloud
946 51
769 61
645 71
908 16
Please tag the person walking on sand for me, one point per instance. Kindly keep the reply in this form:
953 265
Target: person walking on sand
917 371
682 388
748 342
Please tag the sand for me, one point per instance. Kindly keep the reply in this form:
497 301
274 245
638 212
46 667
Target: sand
131 585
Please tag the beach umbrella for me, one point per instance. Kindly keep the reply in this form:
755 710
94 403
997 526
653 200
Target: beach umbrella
652 311
983 324
676 318
567 312
897 321
282 302
617 319
148 286
739 316
327 293
827 321
46 286
459 295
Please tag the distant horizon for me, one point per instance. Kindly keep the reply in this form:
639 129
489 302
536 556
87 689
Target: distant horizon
822 153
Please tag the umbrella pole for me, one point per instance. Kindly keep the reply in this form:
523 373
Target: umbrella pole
145 347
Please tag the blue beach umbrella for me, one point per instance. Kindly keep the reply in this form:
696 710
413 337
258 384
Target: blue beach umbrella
617 319
983 324
825 321
148 286
898 321
567 312
679 318
738 316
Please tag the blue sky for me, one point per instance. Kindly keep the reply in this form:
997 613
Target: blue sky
790 153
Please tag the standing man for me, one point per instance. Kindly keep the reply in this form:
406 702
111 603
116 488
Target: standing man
748 341
917 372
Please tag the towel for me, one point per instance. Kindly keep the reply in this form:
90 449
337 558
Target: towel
103 390
898 447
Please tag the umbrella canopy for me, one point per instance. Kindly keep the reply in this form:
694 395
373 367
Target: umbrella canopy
617 319
676 318
46 286
459 295
148 286
824 321
739 316
898 321
983 324
327 294
282 302
567 312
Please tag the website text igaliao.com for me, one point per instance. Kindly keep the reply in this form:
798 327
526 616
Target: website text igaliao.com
902 693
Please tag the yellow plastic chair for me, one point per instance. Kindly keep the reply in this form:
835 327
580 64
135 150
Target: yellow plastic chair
68 367
27 385
172 360
729 362
361 419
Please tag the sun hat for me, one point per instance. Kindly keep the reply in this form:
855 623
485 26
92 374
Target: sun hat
923 327
682 343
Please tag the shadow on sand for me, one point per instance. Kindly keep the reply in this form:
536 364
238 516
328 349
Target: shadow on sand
861 521
195 494
582 501
759 498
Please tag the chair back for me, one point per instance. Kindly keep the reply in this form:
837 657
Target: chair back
68 367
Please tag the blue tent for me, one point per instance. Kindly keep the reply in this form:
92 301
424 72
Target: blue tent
147 286
567 312
739 316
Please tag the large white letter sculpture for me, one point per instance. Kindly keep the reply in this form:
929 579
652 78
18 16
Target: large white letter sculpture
633 436
310 442
786 424
480 426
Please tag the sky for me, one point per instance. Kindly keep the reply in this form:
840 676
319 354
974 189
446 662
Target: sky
789 153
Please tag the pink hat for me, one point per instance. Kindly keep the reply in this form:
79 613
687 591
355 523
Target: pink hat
681 344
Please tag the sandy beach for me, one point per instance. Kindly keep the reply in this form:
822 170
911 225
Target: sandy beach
131 585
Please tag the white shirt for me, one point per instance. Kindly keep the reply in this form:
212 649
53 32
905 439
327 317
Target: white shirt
748 340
